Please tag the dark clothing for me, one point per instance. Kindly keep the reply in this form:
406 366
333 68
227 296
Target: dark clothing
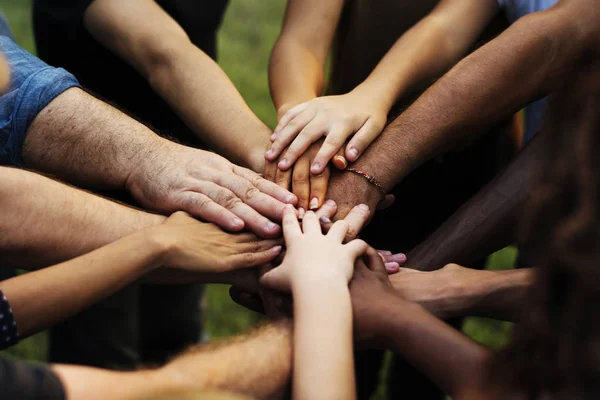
140 324
63 41
9 335
21 381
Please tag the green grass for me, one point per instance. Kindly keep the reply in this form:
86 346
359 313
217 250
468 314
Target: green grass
248 33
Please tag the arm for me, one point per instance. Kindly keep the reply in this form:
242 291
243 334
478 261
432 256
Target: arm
83 140
189 80
487 222
522 64
297 66
50 222
455 291
42 298
257 365
423 52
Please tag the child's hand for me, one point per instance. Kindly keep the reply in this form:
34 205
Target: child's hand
311 256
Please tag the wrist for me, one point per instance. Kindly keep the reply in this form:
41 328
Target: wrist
365 192
372 94
318 284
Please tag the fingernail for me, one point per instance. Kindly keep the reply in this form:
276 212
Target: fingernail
364 207
400 258
270 152
386 252
315 168
273 136
301 213
325 220
340 162
330 203
237 222
353 152
314 203
276 249
392 266
290 198
271 226
283 164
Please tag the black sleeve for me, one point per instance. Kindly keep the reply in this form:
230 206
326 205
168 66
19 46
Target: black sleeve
21 381
8 327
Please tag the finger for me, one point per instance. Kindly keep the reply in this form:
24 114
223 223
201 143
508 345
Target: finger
257 246
252 218
399 258
291 227
310 223
384 252
357 218
327 210
339 161
333 143
301 181
387 202
290 115
266 186
283 178
318 188
245 299
275 279
201 206
356 247
310 134
338 230
363 139
270 171
247 260
392 268
374 261
290 133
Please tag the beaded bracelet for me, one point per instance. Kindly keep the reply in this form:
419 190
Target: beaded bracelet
370 178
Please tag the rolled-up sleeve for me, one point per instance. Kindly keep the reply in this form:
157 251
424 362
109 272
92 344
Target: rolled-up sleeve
34 84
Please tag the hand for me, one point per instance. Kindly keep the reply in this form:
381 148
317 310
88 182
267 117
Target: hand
337 118
348 190
370 287
310 189
444 292
175 177
195 246
312 256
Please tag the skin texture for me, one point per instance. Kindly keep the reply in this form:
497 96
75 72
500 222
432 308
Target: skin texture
423 52
80 139
43 298
316 269
257 365
4 74
485 87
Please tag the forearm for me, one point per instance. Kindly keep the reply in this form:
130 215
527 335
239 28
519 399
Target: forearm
487 222
295 75
323 354
49 222
43 298
208 102
526 62
83 140
452 360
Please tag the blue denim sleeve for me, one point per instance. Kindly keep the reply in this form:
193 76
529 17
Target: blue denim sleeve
34 84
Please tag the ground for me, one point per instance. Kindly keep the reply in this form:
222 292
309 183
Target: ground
248 33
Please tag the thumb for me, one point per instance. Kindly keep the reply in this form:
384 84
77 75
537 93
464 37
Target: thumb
374 261
276 279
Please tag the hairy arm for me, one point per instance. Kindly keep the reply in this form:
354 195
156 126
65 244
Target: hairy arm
257 365
522 64
50 222
297 66
189 80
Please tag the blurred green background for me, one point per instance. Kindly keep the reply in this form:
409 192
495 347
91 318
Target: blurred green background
247 35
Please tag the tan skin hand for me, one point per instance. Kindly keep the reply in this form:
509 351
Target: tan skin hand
335 117
204 247
310 189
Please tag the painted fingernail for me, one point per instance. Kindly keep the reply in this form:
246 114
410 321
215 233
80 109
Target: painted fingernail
364 207
283 164
314 203
301 213
315 168
271 226
330 203
340 162
237 222
353 152
325 220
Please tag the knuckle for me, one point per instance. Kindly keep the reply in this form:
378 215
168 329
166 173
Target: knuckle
230 201
300 177
251 192
333 140
248 258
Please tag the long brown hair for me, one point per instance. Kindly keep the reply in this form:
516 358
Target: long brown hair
555 352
